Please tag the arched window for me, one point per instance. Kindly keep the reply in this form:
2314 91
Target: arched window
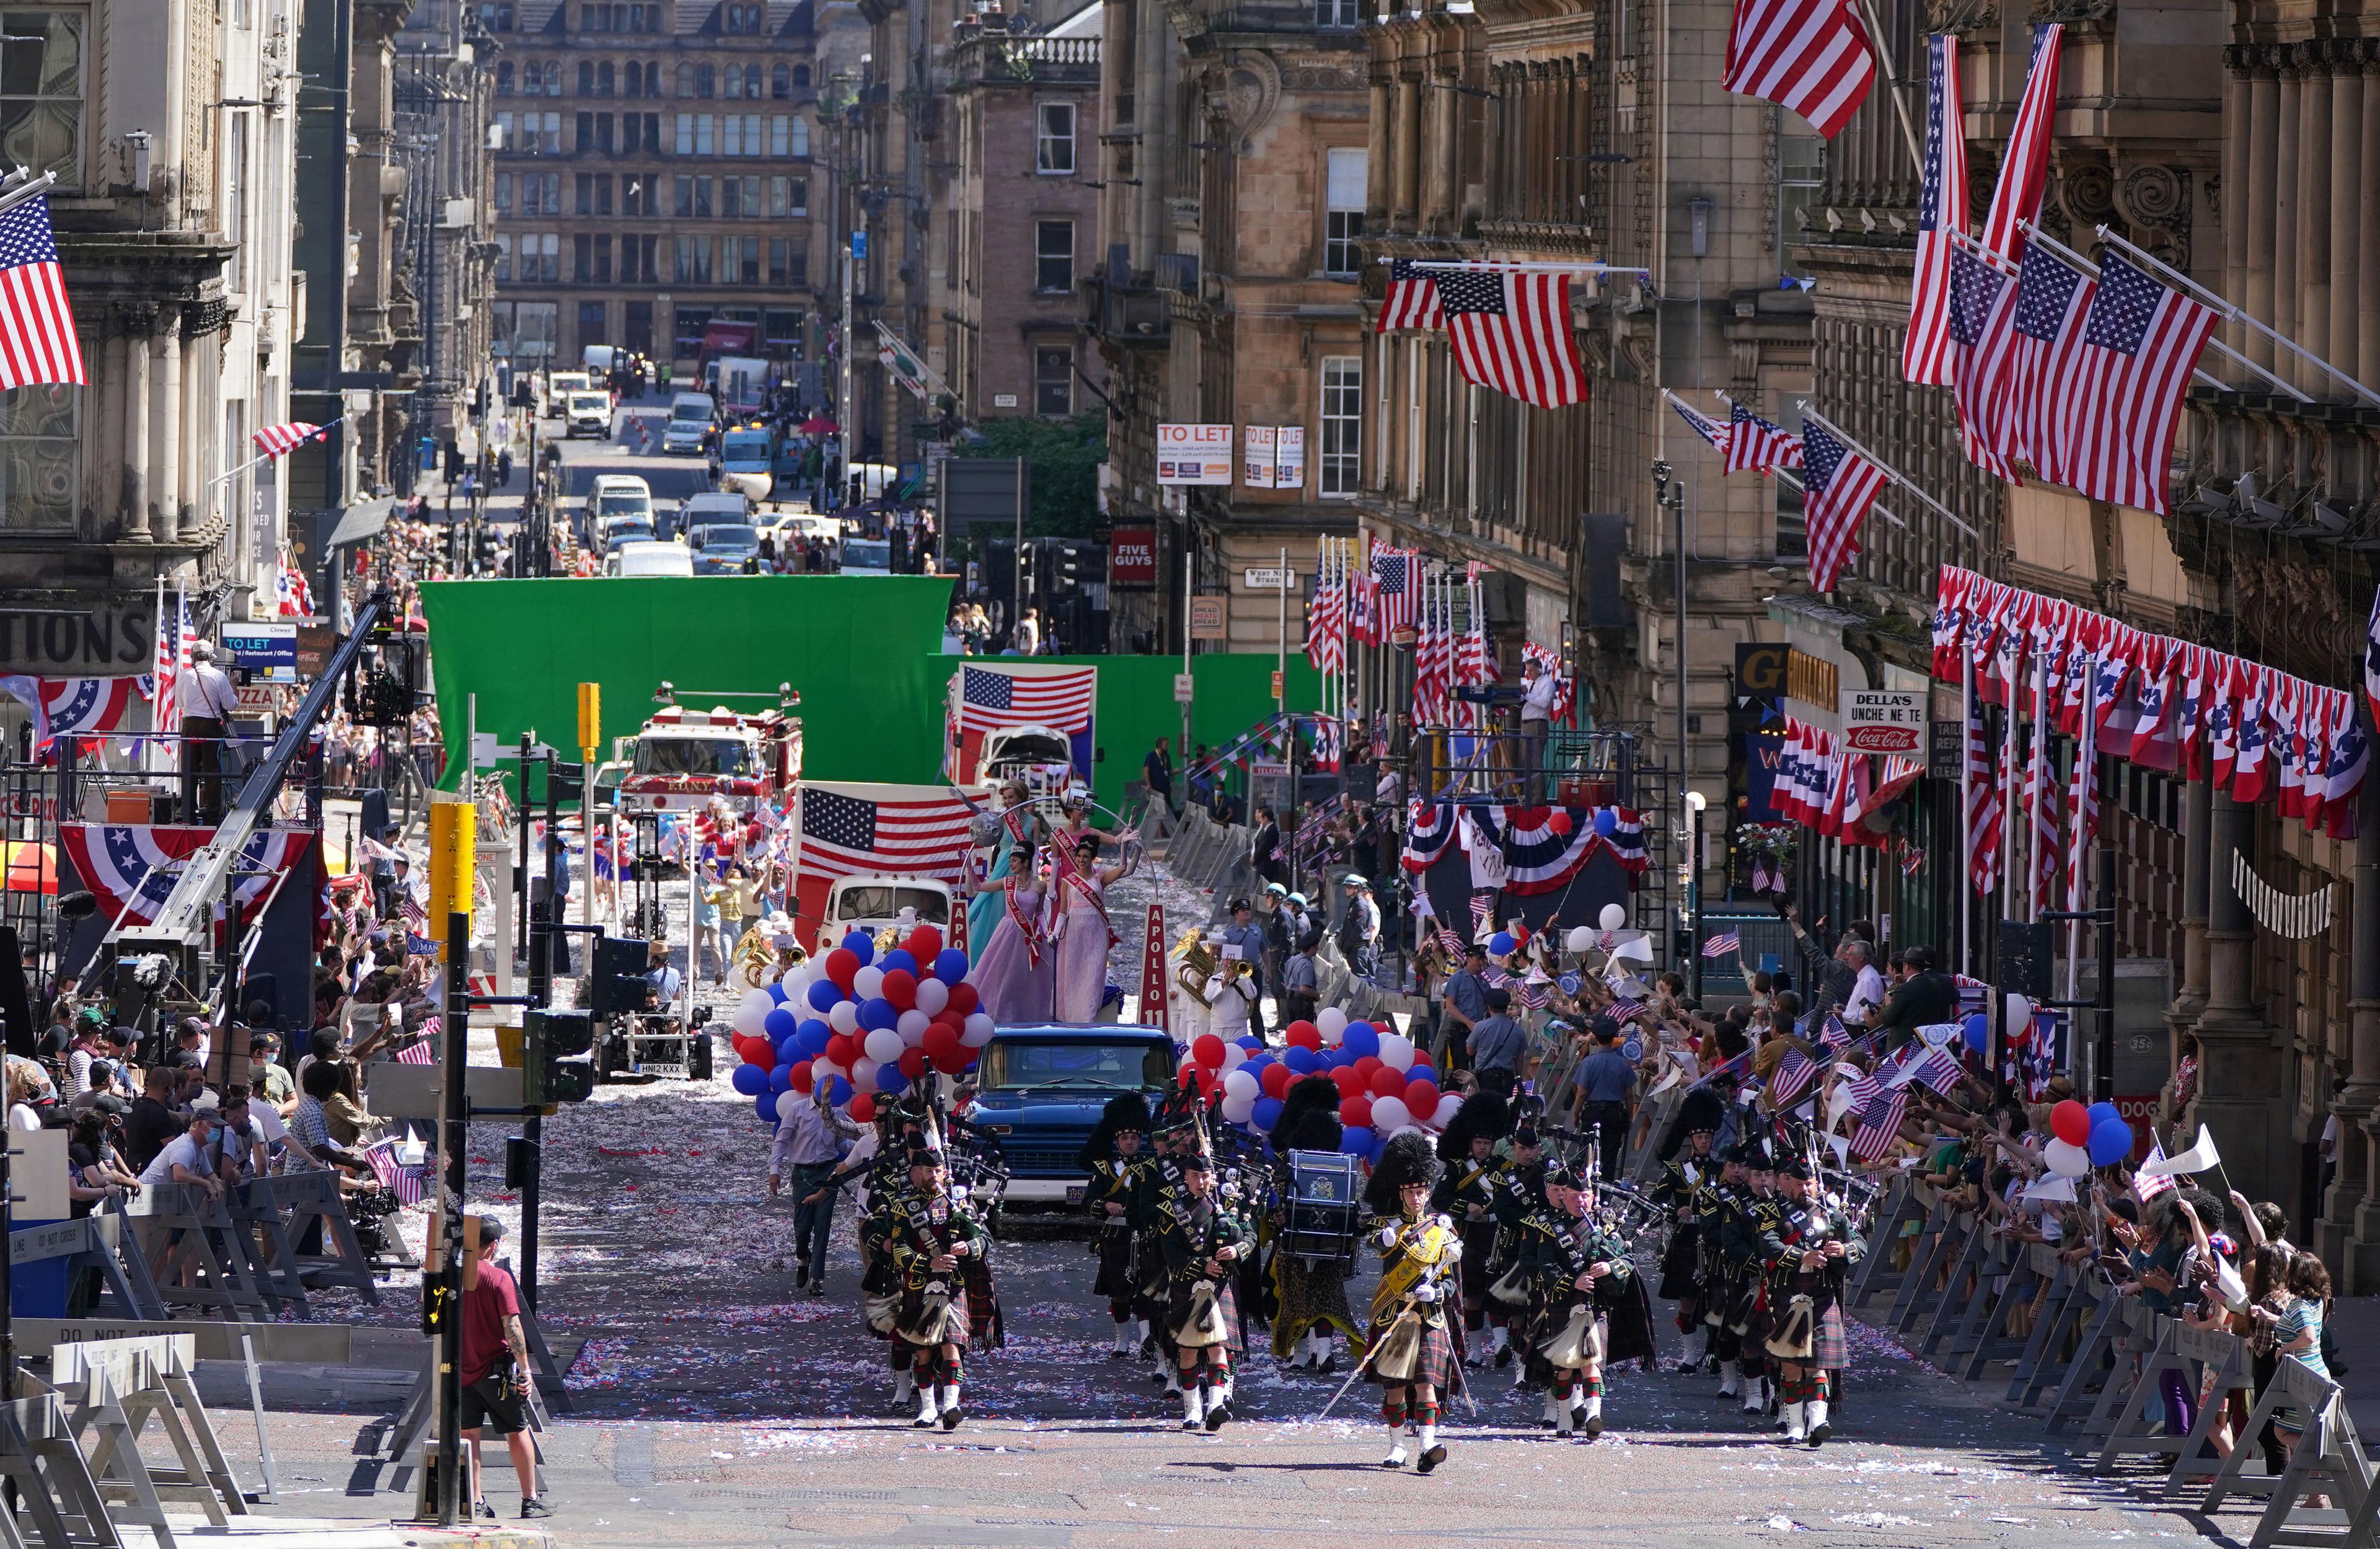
801 145
504 77
686 81
801 74
705 80
781 83
585 79
603 81
752 81
731 85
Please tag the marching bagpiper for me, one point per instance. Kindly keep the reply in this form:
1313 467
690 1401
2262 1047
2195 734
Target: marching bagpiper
1741 1235
1687 1192
1170 1136
1201 1240
1808 1250
1519 1194
1116 1164
1467 1195
1579 1269
940 1253
1410 1350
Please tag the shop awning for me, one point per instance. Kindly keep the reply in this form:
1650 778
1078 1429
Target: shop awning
360 523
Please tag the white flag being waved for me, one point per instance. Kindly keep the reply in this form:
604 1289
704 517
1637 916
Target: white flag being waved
2197 1159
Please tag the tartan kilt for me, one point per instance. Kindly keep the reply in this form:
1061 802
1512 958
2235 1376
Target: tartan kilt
1432 1360
1227 1310
1828 1346
907 1322
1681 1263
1115 1280
1628 1322
1151 1290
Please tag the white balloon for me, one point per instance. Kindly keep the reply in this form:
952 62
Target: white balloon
1236 1108
789 1101
1579 941
979 1032
2020 1014
1396 1051
1332 1022
868 983
1613 917
752 1014
884 1045
913 1028
863 1075
796 979
1449 1104
932 995
1389 1113
1233 1056
2064 1160
1241 1083
844 1017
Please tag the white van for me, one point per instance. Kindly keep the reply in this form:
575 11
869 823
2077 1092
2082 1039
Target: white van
651 559
587 412
618 498
689 421
559 386
599 359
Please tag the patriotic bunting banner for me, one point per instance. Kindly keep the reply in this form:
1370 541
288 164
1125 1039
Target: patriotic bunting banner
133 868
1541 854
71 706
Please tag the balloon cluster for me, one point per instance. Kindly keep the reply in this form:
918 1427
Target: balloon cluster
864 1025
2086 1138
1385 1084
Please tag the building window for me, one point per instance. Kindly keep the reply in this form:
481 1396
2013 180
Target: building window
789 262
640 131
1801 168
686 81
235 211
496 16
585 77
591 323
781 82
752 81
603 79
504 77
535 326
705 80
545 248
743 20
582 258
1335 13
641 196
693 260
781 331
788 137
1343 423
1342 219
637 261
40 430
739 260
693 196
1053 256
1054 383
705 129
504 257
504 193
41 92
788 197
1054 152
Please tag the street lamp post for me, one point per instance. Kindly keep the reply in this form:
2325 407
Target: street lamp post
1668 492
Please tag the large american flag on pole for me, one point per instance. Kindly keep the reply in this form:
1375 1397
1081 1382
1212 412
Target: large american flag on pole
1326 623
2051 301
2024 172
992 697
1983 302
1413 299
2141 341
1984 811
1809 55
1757 446
1395 598
37 331
1941 210
172 662
1510 332
1838 487
277 440
855 830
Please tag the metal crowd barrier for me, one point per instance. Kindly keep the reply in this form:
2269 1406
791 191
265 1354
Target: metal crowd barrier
2093 1365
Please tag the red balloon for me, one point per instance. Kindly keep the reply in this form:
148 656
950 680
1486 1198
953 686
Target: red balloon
963 1000
953 1060
1388 1082
841 964
1208 1050
1559 821
801 1074
1211 1086
2071 1123
749 1049
1367 1068
1275 1080
940 1039
1348 1083
900 988
925 943
842 1049
912 1063
1186 1075
1305 1035
862 1106
1421 1097
1356 1113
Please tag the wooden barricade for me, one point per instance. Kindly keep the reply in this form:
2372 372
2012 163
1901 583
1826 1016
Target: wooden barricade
1927 1256
270 1249
2067 1321
182 1225
1966 1296
1996 1340
1875 1276
39 1456
314 1196
2135 1435
114 1389
2076 1402
2225 1356
2328 1459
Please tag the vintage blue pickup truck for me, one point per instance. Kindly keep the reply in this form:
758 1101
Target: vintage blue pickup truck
1041 1087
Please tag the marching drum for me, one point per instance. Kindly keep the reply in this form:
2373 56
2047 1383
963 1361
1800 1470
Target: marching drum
1322 1215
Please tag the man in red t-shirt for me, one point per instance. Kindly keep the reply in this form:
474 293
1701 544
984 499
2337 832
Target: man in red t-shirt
495 1370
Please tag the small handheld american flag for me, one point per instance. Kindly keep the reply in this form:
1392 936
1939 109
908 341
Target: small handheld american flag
1724 945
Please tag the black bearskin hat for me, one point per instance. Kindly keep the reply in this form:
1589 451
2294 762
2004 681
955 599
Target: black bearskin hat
1482 1113
1408 1158
1315 1130
1308 1094
1129 1111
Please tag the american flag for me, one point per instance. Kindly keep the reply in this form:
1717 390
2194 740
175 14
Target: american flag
1982 808
1481 905
1710 430
1625 1010
275 441
1395 600
2141 341
2145 1188
1879 1123
1724 945
1832 1035
1936 1069
1413 299
37 331
417 1051
410 1184
2372 659
1326 624
292 597
1433 666
175 635
408 907
1941 210
857 830
1510 333
1983 303
1454 943
2051 301
1809 55
2024 172
1794 1073
1756 446
1838 486
991 698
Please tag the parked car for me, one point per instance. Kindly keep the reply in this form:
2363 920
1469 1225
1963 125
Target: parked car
649 559
723 548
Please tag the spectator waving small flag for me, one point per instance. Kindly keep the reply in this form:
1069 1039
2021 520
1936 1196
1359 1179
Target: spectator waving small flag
1724 945
1510 332
1481 904
275 441
1935 1068
1795 1074
1413 299
2146 1187
1838 487
37 331
1880 1124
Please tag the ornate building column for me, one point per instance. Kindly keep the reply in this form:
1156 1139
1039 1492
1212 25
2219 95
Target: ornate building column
165 424
1405 209
2367 241
2311 303
2346 194
2243 1091
137 320
2254 205
2347 1234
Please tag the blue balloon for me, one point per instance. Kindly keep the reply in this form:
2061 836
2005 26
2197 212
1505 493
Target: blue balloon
777 994
1356 1143
1978 1032
1250 1041
879 1013
778 1024
1374 1143
781 1079
791 1052
765 1104
1420 1071
862 946
824 996
1607 822
2111 1143
1500 943
900 958
950 965
1303 1060
1360 1041
812 1037
1266 1114
2104 1112
889 1080
749 1080
839 1093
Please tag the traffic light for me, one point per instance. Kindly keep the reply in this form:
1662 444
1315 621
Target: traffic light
554 1067
617 977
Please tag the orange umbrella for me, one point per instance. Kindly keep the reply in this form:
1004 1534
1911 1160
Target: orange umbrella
33 867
